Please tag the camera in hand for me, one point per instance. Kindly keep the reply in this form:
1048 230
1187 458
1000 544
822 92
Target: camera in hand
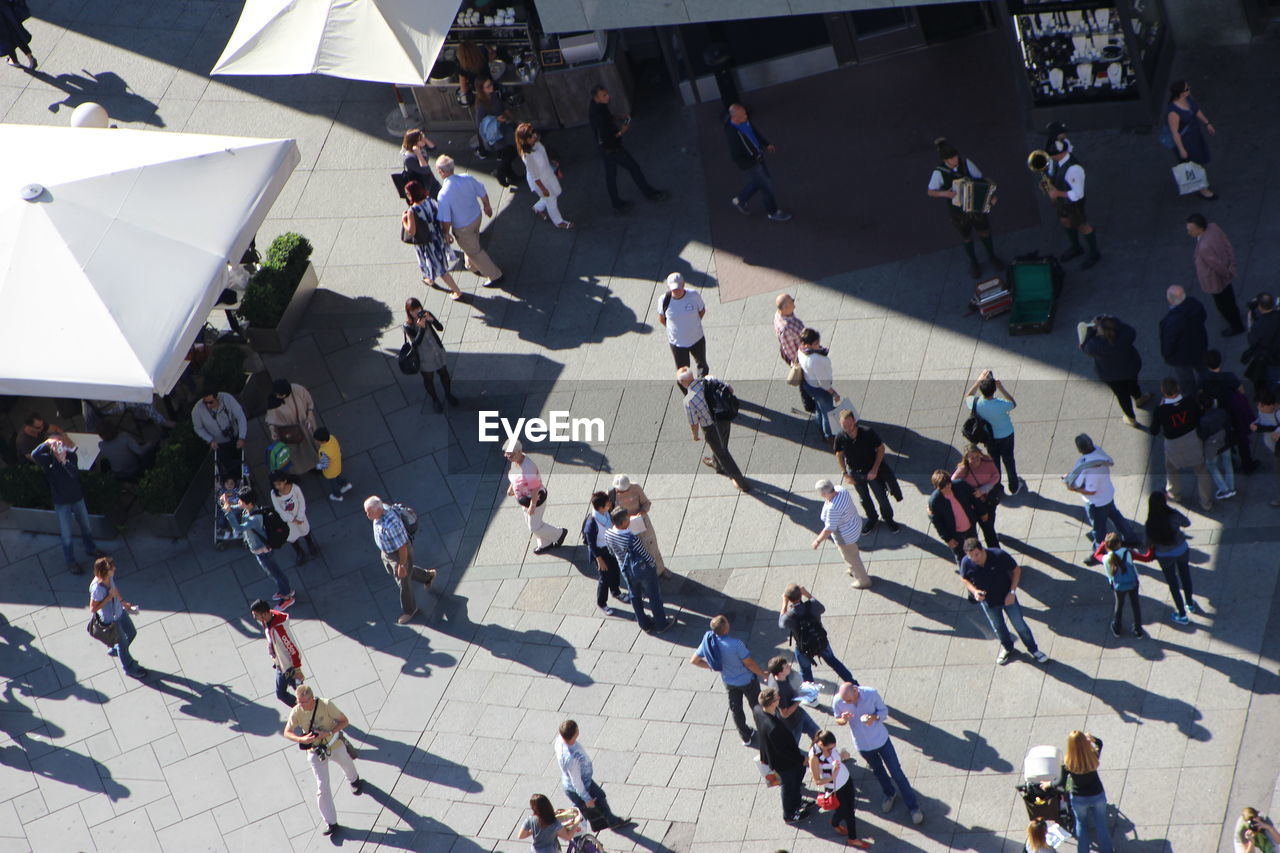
1254 824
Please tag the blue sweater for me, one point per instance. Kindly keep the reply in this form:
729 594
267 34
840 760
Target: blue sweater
64 479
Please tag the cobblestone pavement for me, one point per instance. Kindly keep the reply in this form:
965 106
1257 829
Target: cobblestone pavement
455 714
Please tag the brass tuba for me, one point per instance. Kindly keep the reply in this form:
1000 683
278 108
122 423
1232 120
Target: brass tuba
1038 162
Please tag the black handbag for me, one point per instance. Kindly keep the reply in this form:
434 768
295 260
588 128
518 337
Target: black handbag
102 632
409 361
542 498
399 179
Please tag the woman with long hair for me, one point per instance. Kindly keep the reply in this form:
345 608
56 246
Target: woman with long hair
421 328
543 826
494 129
832 775
1124 581
473 66
980 472
1109 342
413 150
1168 545
1038 837
540 174
107 603
1084 788
422 223
1188 125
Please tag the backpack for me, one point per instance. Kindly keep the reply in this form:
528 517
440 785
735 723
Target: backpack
810 636
976 429
408 517
490 131
721 400
278 457
276 529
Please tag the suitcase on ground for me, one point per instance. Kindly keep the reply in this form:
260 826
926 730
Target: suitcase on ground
1035 283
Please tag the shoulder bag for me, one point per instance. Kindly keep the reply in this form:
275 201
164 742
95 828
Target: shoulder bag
976 428
102 632
409 360
795 375
291 433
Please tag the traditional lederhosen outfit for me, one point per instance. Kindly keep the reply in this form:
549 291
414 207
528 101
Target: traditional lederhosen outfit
1067 174
943 178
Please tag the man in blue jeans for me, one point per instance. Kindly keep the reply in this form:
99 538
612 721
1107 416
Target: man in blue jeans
864 712
992 577
576 771
640 570
739 672
981 399
57 458
799 609
248 524
747 147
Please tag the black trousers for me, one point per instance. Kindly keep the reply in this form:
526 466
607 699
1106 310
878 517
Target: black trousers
749 691
699 352
1229 308
609 579
718 440
884 485
1126 391
622 157
792 779
1132 595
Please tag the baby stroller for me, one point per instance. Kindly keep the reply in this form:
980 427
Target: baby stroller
1043 764
222 532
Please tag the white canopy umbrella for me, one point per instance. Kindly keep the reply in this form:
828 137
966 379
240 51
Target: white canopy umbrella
113 250
384 41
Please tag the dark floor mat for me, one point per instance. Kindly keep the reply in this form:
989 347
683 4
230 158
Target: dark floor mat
855 150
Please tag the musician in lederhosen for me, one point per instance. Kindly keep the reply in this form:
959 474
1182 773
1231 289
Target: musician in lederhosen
1066 178
942 185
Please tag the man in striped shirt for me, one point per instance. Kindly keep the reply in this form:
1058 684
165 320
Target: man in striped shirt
788 327
641 573
717 432
842 524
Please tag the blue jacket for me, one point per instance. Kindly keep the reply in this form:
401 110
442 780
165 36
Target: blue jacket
1183 339
1125 578
64 480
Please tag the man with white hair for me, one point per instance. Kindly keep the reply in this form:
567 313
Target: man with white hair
392 539
525 485
680 310
1184 340
699 413
842 524
461 200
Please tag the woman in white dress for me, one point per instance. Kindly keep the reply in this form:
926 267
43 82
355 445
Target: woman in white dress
541 175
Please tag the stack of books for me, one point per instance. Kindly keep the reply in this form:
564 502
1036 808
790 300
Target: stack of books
991 298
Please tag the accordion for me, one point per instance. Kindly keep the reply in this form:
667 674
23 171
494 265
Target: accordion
973 196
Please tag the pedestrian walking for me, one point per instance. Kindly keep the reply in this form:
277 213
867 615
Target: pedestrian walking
577 779
417 167
698 411
818 376
330 464
421 223
541 175
860 454
790 710
738 670
787 326
843 526
57 458
1084 788
1176 418
748 147
978 471
680 311
1123 576
609 573
863 710
544 827
291 505
609 131
286 655
292 420
1215 261
982 401
993 577
395 546
801 619
249 522
1109 341
832 775
1187 126
14 36
1066 176
1183 338
422 331
942 184
316 725
631 497
1167 543
639 570
1090 478
108 605
1217 433
219 420
781 754
525 485
462 205
954 513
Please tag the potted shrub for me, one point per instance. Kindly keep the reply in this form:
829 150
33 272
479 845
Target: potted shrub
26 491
279 293
177 483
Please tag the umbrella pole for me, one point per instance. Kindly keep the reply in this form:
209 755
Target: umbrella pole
404 117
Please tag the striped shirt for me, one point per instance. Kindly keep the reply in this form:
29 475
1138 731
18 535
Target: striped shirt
389 532
839 516
695 405
788 330
627 548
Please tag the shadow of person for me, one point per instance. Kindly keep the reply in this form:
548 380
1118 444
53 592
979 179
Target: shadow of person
968 751
580 311
417 833
1131 703
216 703
413 761
1042 557
538 650
106 88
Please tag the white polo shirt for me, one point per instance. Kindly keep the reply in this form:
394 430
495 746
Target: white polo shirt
684 326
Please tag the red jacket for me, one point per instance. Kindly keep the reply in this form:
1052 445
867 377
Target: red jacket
280 643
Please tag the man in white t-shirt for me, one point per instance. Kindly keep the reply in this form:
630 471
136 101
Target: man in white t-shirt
680 310
1090 477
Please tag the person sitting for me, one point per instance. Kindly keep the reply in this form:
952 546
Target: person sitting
126 458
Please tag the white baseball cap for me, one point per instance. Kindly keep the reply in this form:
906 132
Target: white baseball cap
675 281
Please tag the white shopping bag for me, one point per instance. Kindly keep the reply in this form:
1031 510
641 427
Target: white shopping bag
1190 177
1055 834
766 773
834 416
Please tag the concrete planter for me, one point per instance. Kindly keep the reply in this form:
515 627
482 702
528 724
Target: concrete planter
46 521
175 525
277 339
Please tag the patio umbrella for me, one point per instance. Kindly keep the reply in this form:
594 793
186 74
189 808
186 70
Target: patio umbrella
383 41
113 250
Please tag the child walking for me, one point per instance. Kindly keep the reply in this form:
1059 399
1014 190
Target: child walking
1124 581
291 506
330 464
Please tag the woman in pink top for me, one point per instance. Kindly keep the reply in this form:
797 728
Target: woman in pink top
527 488
980 472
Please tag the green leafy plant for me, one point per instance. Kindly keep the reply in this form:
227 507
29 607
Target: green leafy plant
176 465
272 286
26 486
224 371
